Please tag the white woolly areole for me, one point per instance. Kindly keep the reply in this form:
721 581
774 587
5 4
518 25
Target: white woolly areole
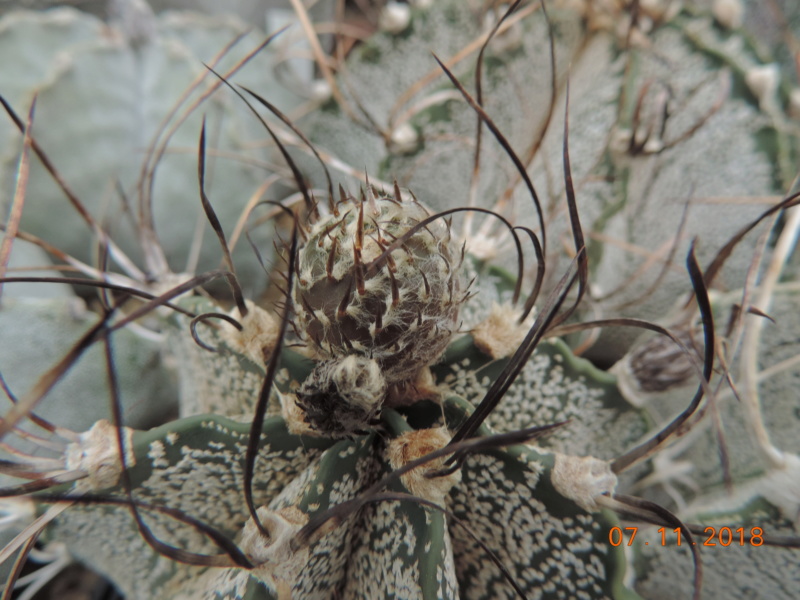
359 381
394 18
97 455
404 139
483 247
258 336
728 13
416 444
627 383
763 81
277 564
583 479
320 90
500 334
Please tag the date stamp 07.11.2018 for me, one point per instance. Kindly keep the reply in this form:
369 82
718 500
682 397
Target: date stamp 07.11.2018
714 536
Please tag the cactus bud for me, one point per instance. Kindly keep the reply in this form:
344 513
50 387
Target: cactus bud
400 309
342 396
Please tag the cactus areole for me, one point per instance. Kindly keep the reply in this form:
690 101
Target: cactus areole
352 297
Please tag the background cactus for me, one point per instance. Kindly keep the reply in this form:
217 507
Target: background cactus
673 118
120 84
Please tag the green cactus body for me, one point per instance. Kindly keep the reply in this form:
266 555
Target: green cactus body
505 497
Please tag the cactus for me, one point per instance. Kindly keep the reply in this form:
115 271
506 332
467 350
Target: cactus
399 425
121 85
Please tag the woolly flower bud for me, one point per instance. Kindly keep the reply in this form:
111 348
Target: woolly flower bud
656 366
400 308
659 364
342 396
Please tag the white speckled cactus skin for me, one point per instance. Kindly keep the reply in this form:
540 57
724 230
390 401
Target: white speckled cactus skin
679 128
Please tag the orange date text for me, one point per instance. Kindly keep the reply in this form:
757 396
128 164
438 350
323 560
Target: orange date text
712 536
